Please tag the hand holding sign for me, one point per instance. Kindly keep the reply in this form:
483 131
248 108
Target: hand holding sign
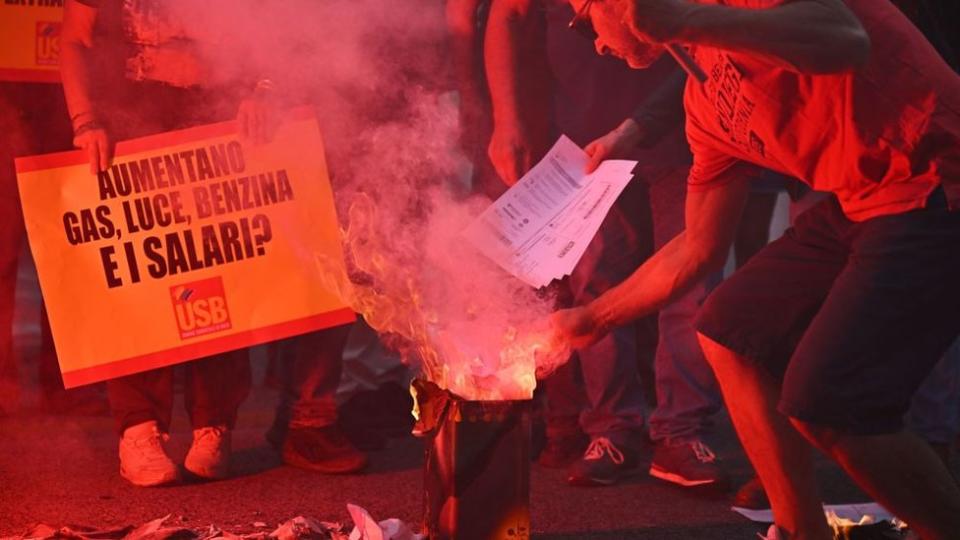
176 250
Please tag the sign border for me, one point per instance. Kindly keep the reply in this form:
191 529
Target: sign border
71 158
240 340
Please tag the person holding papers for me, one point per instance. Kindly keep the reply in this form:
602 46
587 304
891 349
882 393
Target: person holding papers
824 336
531 53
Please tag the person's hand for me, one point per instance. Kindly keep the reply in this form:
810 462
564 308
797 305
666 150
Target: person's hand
614 145
511 153
257 119
95 141
577 327
656 21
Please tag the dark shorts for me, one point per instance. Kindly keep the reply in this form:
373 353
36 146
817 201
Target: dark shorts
851 317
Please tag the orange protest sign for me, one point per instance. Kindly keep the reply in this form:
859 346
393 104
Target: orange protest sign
30 40
192 243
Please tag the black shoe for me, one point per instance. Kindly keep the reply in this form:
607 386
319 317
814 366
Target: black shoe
689 464
752 496
322 449
364 438
560 452
603 464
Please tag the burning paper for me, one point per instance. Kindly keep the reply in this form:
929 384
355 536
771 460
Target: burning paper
472 328
541 227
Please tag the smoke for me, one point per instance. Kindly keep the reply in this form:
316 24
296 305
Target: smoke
377 74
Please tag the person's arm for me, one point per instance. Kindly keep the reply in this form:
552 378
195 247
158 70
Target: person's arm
712 216
519 90
466 46
809 36
76 41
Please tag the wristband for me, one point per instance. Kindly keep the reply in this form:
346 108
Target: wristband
86 126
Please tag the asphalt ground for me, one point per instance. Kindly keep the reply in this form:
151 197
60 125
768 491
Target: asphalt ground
63 471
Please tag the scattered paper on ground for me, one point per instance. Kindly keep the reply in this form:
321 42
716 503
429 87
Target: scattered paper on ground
367 528
540 228
170 528
852 512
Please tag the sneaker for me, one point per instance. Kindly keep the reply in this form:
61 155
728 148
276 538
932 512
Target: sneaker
322 449
602 464
689 464
752 496
209 455
560 452
143 460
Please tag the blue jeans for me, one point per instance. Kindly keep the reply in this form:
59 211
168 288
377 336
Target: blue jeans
602 384
935 409
309 371
687 392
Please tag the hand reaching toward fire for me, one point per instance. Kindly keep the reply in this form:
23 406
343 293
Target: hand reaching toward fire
577 327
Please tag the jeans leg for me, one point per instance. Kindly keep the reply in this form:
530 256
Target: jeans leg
215 388
565 400
615 403
10 242
142 397
687 392
11 237
935 410
615 398
308 398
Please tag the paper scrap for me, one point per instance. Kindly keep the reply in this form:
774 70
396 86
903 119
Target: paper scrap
540 228
367 528
853 512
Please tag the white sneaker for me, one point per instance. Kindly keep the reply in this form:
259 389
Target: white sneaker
143 460
209 455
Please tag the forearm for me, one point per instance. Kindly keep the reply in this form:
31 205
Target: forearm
814 36
465 39
712 218
662 278
75 74
513 74
76 42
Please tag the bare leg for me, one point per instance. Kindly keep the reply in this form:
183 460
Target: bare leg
901 472
781 457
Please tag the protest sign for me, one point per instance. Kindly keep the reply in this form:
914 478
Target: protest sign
192 243
30 40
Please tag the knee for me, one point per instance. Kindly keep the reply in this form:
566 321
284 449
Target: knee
718 356
826 439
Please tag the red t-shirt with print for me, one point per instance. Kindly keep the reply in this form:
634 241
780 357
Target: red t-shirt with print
881 138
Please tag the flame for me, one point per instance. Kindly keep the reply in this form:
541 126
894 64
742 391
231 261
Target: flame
471 329
843 527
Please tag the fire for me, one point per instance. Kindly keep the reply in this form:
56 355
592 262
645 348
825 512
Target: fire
843 527
471 329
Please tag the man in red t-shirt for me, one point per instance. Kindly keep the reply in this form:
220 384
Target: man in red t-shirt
823 336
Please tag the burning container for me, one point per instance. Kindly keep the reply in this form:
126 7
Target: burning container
476 468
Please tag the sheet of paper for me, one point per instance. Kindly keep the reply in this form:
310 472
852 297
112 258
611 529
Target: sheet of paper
540 228
853 512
